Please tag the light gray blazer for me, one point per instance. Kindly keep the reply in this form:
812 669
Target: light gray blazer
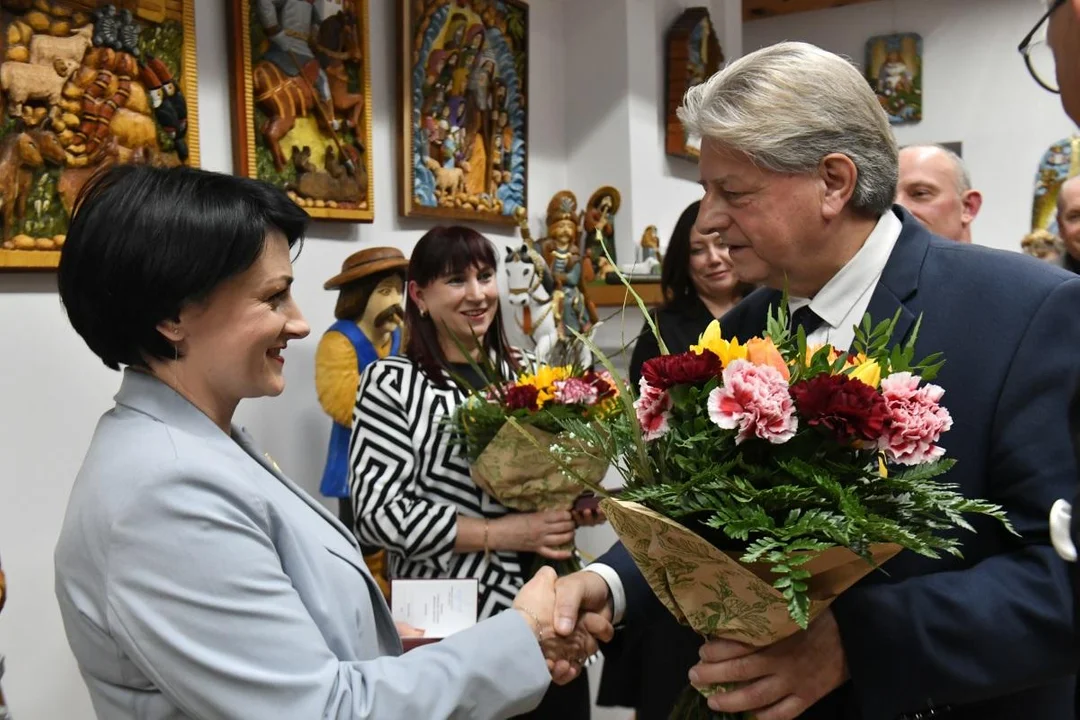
197 581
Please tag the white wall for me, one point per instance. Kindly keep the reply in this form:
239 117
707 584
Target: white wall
52 389
976 89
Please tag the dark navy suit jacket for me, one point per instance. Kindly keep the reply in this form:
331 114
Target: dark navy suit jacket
990 636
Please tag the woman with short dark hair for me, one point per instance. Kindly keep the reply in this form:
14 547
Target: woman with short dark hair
194 578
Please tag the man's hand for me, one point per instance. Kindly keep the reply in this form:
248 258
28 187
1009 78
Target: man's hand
778 682
583 591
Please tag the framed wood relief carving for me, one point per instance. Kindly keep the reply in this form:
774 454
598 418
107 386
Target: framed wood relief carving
692 55
464 86
85 84
894 70
301 90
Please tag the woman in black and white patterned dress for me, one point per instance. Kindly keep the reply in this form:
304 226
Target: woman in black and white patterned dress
410 482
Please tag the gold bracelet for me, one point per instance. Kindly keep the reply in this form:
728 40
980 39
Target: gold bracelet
532 615
487 550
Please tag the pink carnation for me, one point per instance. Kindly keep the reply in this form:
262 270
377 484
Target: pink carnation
653 411
916 420
755 400
575 391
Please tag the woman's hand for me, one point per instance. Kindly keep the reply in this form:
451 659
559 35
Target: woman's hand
588 517
547 533
405 630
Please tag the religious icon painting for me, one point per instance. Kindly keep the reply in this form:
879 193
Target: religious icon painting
894 71
86 84
692 55
301 92
464 115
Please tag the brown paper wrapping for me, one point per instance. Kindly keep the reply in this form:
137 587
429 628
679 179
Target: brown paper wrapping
524 477
712 592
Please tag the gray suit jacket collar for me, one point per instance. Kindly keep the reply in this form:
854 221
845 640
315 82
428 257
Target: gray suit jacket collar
145 393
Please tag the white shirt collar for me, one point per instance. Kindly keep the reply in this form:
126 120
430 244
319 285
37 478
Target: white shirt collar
843 300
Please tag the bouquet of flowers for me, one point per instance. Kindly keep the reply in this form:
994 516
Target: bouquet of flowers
509 428
764 479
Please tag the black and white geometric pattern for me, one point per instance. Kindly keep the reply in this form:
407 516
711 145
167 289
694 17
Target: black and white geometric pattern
409 482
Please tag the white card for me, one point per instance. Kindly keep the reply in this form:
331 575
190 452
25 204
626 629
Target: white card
439 607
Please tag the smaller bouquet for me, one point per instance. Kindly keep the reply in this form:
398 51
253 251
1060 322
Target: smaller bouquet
508 431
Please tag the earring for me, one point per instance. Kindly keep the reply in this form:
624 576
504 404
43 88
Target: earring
423 313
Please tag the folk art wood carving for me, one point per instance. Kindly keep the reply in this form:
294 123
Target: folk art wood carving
301 90
692 54
85 84
464 85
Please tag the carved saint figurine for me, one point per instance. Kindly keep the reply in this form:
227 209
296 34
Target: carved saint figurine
650 244
561 250
369 314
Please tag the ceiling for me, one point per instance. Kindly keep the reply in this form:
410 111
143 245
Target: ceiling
756 9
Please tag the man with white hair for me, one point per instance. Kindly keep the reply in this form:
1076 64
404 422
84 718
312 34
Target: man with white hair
935 187
799 168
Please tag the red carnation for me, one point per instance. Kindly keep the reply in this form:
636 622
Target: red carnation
602 381
685 369
849 409
522 397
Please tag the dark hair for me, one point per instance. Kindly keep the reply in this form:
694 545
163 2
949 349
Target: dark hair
449 251
144 242
675 283
354 296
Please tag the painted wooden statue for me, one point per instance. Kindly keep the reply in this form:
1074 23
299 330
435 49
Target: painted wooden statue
598 223
1059 163
561 250
369 314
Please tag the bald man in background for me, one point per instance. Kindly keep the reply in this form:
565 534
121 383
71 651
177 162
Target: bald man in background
936 187
1068 220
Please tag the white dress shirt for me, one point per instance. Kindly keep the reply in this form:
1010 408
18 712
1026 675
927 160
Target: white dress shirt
843 301
841 304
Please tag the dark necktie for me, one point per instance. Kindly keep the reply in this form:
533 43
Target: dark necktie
806 318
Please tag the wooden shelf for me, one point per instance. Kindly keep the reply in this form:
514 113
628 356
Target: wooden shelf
604 295
757 9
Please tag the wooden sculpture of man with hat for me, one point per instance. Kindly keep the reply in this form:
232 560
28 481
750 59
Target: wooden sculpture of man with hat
369 314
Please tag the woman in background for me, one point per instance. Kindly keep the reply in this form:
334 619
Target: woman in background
646 667
195 580
699 285
409 477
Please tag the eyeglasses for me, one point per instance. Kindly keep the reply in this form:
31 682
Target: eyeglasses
1037 54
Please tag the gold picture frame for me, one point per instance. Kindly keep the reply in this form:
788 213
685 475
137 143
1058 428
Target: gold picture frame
86 84
302 110
463 84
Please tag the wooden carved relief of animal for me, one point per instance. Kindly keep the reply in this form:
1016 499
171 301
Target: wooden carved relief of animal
72 179
52 152
349 104
283 99
449 182
24 82
18 151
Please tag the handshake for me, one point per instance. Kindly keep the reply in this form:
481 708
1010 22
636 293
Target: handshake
569 615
